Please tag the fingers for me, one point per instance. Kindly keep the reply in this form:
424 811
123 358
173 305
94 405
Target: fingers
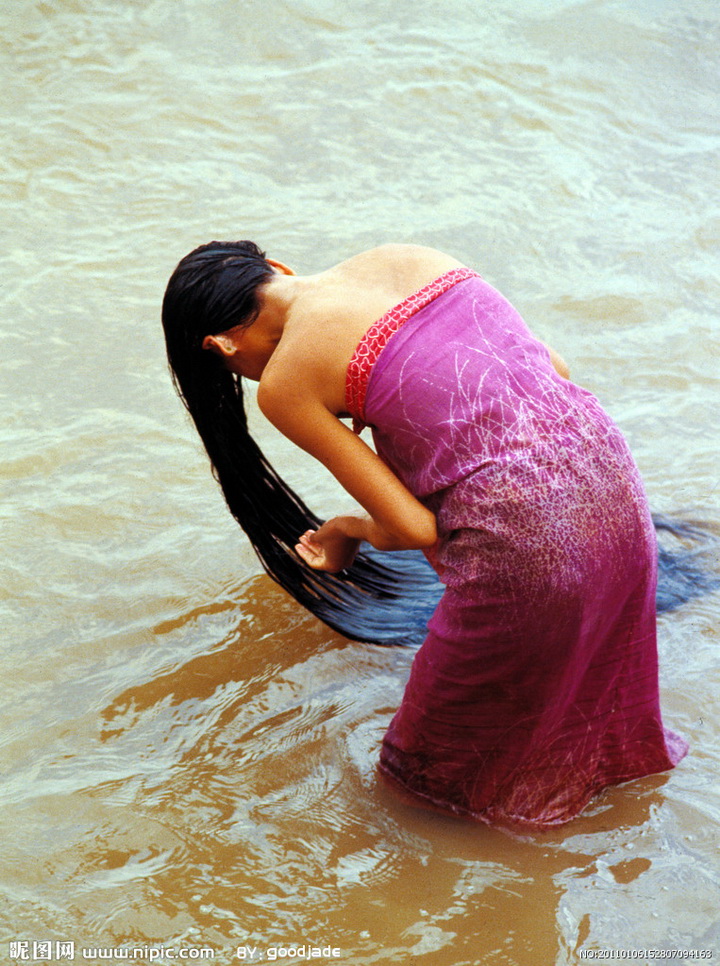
312 553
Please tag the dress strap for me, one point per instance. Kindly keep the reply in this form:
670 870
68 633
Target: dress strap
377 336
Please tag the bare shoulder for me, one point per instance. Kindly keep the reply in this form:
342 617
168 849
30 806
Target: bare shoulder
283 383
303 376
310 363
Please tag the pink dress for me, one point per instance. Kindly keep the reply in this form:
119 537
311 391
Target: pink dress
537 684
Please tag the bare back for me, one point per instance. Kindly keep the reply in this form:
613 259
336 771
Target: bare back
336 310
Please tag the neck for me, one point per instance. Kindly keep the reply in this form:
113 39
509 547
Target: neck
279 298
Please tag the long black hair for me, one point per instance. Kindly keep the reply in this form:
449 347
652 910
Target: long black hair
217 287
382 598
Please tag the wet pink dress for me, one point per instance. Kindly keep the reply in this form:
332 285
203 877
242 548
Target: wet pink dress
537 684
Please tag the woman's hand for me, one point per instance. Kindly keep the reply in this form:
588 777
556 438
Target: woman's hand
331 547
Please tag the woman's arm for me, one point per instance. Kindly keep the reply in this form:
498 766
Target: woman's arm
396 519
558 363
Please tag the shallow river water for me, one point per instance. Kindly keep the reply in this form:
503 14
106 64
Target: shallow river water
188 759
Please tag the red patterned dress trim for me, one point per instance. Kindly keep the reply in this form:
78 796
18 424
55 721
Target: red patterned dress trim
380 332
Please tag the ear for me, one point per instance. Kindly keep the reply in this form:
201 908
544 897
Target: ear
220 344
280 267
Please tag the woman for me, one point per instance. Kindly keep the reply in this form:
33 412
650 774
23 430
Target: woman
536 685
